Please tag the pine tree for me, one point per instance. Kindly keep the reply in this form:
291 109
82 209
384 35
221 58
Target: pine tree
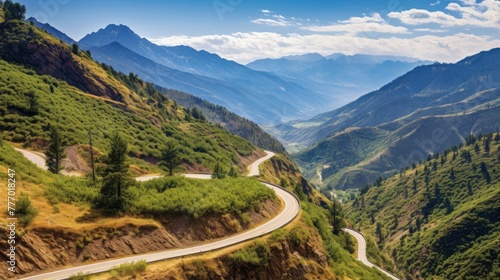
336 217
116 178
170 156
34 106
14 11
55 153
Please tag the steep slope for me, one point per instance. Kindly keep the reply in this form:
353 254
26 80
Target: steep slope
266 90
213 90
230 121
430 113
343 77
79 99
51 30
425 86
439 218
130 62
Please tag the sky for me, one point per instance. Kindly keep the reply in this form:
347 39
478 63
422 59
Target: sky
245 30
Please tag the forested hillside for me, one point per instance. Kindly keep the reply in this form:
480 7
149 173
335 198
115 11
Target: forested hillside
438 218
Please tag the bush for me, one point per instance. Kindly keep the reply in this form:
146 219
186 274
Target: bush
129 268
24 210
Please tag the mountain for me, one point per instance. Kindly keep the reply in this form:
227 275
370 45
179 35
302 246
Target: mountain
130 62
213 90
67 87
438 219
228 120
45 83
264 97
342 77
424 111
51 30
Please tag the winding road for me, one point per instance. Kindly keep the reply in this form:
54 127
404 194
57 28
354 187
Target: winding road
290 211
362 252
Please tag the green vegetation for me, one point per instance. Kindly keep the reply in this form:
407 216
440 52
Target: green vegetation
129 268
178 195
116 178
13 10
440 218
255 255
24 210
79 276
170 156
228 120
75 112
55 152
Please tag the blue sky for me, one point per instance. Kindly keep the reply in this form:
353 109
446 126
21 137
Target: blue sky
245 30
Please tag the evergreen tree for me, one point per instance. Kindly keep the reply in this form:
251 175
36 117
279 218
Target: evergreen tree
378 232
170 156
116 178
13 11
336 217
484 171
34 106
55 153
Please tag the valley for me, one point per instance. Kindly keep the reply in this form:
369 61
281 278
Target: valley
286 147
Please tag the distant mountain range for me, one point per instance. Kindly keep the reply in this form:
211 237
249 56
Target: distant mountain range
343 77
261 97
273 91
425 111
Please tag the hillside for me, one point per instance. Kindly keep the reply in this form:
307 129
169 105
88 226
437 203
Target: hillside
45 83
228 120
431 86
403 122
252 94
76 104
439 218
51 30
130 62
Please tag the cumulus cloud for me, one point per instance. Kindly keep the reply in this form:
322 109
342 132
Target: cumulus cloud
356 25
470 13
265 11
245 47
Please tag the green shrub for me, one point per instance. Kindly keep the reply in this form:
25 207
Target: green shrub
129 268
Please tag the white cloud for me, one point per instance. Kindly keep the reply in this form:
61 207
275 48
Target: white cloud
431 30
437 3
275 20
356 25
247 47
471 14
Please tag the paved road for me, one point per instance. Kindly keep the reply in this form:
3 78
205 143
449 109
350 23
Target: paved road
362 252
254 167
290 211
35 157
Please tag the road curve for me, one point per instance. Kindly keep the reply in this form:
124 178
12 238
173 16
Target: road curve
290 211
254 167
362 252
35 157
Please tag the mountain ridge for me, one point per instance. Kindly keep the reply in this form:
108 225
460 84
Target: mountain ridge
268 91
422 112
